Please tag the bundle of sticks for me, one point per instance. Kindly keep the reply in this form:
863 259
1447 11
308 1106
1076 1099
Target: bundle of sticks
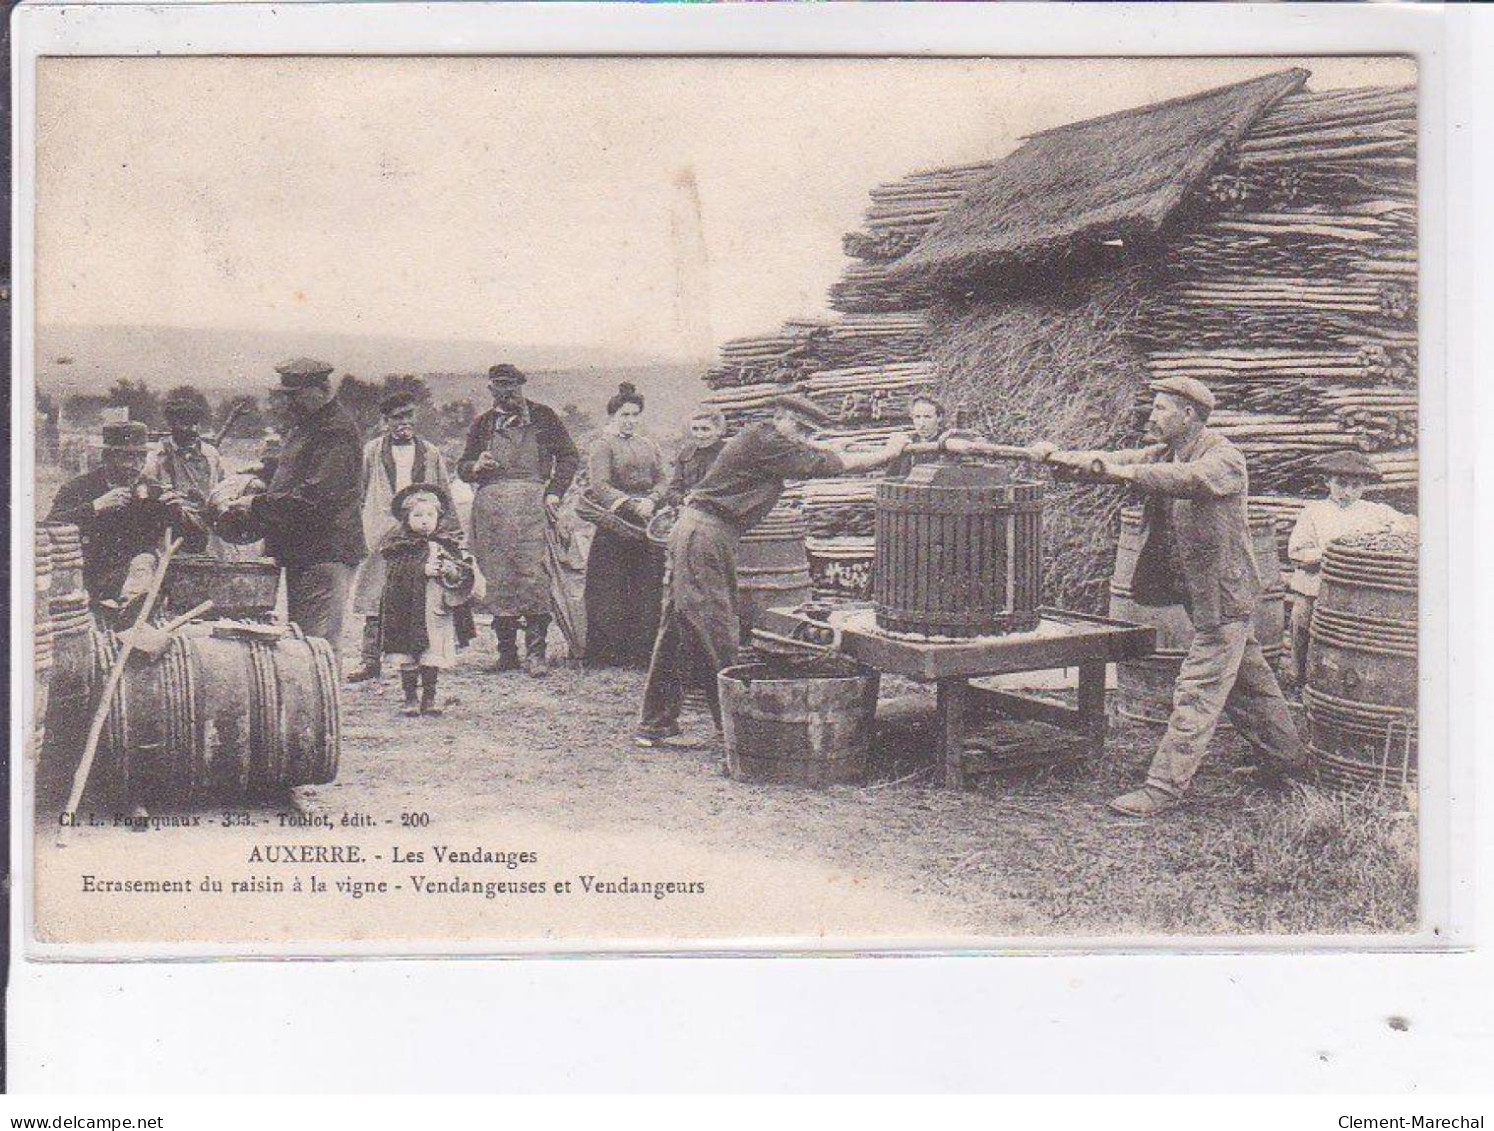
901 212
1293 295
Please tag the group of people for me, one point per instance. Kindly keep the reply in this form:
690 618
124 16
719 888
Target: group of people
379 520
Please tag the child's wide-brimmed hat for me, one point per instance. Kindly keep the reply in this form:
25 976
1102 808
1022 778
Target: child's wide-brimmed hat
402 500
1349 465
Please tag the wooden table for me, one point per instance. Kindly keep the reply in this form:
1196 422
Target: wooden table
1061 640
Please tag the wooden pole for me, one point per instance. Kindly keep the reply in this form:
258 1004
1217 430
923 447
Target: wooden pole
116 673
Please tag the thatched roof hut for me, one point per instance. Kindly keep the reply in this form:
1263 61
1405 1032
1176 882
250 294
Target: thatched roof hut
1068 191
1258 236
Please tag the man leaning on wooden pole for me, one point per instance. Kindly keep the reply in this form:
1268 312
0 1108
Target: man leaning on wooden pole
1196 551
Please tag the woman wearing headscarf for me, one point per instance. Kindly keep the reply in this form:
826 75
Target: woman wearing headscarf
624 574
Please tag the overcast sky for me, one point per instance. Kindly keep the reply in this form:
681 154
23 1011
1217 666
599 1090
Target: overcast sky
652 206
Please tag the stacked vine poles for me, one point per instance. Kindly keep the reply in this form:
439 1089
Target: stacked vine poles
1288 286
1292 293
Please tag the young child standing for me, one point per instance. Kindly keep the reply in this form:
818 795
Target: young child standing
1344 513
432 578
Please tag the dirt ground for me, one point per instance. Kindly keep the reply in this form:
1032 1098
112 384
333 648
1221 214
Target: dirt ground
550 764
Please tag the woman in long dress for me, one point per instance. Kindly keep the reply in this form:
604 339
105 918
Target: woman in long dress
624 574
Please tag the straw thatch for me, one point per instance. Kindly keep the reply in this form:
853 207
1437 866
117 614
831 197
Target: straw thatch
1067 191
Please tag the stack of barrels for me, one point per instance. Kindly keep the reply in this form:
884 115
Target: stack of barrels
1361 693
42 633
772 567
71 621
1145 686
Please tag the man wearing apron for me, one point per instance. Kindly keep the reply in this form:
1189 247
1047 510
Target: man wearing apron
520 459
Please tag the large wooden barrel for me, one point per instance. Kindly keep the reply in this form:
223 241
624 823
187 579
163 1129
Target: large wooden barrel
772 567
806 723
239 590
1145 686
1361 693
224 714
958 552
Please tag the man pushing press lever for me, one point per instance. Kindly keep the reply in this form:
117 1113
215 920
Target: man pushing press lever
699 629
1196 551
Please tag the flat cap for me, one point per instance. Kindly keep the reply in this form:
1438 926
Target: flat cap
126 435
394 402
802 406
1349 464
1188 388
302 372
507 374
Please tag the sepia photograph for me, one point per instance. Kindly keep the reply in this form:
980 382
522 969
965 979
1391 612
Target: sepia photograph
510 504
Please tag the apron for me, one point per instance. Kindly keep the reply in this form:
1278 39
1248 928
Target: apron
508 527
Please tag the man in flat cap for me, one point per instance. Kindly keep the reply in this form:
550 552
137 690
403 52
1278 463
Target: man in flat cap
1196 551
392 461
520 459
187 463
119 513
309 510
1344 513
699 629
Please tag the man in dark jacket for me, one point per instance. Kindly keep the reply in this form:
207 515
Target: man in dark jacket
521 460
310 509
119 513
1196 549
699 628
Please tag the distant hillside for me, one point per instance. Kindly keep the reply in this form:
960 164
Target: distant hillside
91 358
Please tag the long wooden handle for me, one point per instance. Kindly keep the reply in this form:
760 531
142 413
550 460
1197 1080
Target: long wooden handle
238 410
192 614
111 685
959 446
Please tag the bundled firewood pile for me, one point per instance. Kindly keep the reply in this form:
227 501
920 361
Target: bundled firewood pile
1280 269
1293 292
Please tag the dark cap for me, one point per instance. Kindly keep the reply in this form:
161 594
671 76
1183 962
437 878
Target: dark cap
803 407
394 402
1189 388
507 374
302 373
406 496
1349 465
127 436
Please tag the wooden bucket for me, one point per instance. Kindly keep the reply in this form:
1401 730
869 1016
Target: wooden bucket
772 568
798 722
1145 686
1361 694
958 552
239 590
223 715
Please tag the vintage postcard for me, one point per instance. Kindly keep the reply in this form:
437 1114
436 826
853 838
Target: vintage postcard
504 504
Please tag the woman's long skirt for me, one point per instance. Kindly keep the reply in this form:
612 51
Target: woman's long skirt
624 593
